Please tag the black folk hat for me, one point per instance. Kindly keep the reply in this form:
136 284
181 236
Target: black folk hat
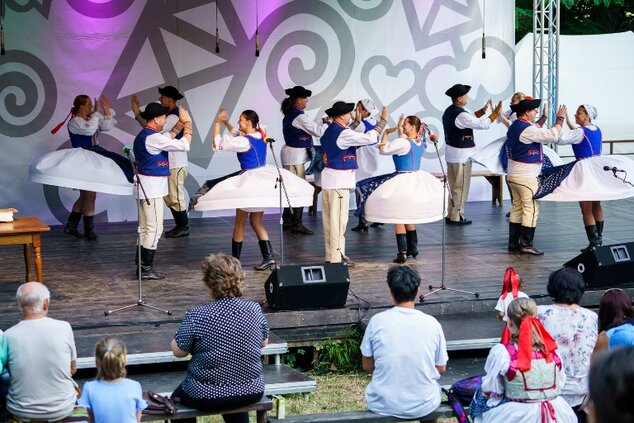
340 108
171 92
458 90
298 92
525 105
153 110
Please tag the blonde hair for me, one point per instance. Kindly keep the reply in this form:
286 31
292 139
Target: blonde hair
110 356
517 311
223 276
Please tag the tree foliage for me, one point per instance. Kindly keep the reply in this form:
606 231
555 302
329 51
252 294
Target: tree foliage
581 17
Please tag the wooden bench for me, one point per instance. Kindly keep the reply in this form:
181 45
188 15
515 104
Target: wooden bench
495 179
260 408
442 412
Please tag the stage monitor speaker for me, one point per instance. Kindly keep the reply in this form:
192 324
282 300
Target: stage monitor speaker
308 286
606 266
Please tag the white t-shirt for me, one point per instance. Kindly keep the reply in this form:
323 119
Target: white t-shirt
40 356
406 345
503 303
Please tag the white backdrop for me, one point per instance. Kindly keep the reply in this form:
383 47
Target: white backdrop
403 54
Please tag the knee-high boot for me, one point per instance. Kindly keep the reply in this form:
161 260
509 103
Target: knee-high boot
72 224
600 230
514 236
236 249
401 244
412 243
297 227
147 265
89 226
526 241
593 236
268 262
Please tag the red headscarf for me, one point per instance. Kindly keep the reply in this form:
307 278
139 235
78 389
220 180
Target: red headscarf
525 342
510 278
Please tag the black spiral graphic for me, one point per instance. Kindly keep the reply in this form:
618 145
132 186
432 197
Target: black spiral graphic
299 74
363 14
100 10
18 107
43 6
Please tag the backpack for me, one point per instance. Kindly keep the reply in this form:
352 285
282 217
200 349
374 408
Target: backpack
460 395
158 404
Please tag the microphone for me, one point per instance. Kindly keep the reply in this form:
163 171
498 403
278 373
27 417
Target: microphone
270 140
613 169
433 138
126 150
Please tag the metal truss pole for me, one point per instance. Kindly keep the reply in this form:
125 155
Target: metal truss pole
546 54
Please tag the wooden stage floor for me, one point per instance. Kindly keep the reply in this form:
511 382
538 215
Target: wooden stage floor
88 278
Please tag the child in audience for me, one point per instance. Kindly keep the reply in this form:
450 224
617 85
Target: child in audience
512 285
112 398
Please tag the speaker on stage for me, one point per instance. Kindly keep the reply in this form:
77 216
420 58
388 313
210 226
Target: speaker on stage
608 265
308 286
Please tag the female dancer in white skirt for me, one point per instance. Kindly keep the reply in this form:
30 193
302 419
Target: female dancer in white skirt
253 186
589 179
407 196
86 167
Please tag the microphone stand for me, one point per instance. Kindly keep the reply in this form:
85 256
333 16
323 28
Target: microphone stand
623 179
139 302
282 187
443 287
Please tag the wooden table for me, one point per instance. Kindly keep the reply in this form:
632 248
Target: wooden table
26 231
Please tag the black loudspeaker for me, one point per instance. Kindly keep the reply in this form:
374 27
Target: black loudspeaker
608 265
308 286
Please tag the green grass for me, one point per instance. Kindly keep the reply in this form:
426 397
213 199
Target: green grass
335 393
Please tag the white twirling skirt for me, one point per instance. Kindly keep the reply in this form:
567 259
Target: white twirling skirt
409 197
587 181
256 189
82 169
489 156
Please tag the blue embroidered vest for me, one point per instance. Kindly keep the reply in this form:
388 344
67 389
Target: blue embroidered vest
411 161
590 146
335 157
454 136
295 137
255 156
518 151
77 140
150 164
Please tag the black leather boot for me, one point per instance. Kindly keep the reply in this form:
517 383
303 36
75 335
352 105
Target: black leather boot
147 265
600 231
297 227
236 249
401 244
593 236
526 241
412 243
287 218
169 233
72 224
182 225
361 226
267 256
89 227
514 236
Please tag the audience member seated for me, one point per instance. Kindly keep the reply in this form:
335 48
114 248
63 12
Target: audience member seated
4 373
574 329
524 377
615 320
225 338
612 387
405 351
42 360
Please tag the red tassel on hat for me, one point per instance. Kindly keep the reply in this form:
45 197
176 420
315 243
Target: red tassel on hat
525 342
57 128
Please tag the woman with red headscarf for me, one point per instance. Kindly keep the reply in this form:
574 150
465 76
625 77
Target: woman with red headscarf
524 376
